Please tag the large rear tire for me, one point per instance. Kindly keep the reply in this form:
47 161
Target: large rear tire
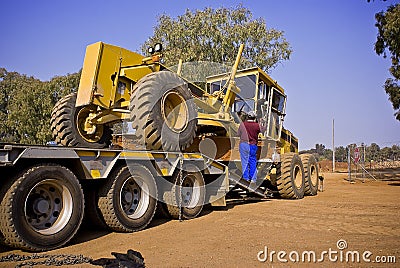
189 201
68 125
290 176
128 200
163 113
311 174
43 208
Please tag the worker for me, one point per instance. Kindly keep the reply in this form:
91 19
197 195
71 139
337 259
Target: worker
248 133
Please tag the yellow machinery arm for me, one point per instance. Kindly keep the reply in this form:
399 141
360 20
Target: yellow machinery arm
232 90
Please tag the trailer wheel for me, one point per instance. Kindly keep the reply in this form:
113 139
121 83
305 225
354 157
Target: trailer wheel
192 195
43 208
163 112
128 200
311 174
93 217
290 176
68 125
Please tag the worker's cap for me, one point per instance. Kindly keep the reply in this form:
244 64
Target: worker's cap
251 114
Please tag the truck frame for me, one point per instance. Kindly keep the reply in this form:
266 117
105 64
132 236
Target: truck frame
46 190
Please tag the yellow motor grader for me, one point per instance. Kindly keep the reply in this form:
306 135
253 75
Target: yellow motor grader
163 111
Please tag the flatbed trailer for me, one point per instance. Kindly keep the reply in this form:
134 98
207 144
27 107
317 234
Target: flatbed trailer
46 190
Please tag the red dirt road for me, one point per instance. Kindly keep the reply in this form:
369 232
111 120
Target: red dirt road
366 216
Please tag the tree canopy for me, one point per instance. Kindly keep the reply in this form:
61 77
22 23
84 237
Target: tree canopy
26 104
388 41
215 35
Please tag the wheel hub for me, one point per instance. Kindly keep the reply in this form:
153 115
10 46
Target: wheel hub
174 111
313 176
187 192
190 191
87 129
44 206
130 196
298 179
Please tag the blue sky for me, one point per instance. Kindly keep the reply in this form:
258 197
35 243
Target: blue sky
333 71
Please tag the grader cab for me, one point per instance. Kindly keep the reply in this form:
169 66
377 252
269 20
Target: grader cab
259 93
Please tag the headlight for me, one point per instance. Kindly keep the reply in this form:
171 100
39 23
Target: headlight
157 47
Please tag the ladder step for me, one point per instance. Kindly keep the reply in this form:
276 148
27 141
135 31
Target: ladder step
246 185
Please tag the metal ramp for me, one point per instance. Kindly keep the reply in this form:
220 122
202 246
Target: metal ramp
246 185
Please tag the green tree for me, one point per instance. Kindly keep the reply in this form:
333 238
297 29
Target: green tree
386 153
215 35
6 89
372 152
396 152
26 104
320 149
341 154
28 108
388 41
60 86
328 154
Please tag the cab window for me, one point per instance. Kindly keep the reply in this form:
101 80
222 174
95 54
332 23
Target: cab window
247 85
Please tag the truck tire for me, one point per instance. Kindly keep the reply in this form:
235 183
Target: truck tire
290 176
42 209
128 200
67 122
311 174
163 112
93 217
192 195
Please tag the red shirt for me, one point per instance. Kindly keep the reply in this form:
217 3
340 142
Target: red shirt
248 132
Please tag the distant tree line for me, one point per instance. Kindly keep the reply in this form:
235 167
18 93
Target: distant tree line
26 104
372 152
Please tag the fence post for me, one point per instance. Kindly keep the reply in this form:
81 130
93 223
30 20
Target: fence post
349 162
363 161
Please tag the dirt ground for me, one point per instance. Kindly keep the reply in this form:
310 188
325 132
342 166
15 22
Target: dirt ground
342 220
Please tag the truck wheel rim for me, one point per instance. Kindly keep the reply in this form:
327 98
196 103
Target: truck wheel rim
95 133
298 178
174 111
48 207
134 197
313 175
190 192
